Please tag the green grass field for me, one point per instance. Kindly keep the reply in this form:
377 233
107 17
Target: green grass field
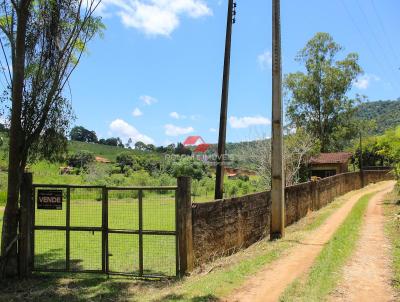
86 246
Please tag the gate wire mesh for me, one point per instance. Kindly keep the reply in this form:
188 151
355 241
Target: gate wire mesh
86 245
50 242
139 233
142 238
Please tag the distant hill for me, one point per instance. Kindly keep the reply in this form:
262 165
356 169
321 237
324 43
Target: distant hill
385 113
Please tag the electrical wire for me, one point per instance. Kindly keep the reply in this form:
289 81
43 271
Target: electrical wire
376 38
378 62
385 31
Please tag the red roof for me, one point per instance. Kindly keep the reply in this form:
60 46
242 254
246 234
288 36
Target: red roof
331 158
202 148
192 140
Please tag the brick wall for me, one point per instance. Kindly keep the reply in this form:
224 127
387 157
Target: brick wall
224 226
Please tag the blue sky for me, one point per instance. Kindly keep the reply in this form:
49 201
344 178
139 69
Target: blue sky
156 75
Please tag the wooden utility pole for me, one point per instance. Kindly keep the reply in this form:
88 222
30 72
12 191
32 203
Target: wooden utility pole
219 181
278 180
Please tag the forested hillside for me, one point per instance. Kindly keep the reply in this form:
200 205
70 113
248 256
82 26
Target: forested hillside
385 113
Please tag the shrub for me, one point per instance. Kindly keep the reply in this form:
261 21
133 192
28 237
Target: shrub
80 159
125 160
189 166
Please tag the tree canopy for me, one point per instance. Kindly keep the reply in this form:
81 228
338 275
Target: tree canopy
317 99
81 134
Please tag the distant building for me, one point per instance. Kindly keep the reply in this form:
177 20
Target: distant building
329 164
193 141
198 142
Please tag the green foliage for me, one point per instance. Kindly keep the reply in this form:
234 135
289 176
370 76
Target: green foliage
125 160
386 114
112 141
182 150
81 134
81 159
317 99
392 227
389 145
188 166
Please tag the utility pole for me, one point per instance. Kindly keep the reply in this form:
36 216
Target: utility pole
361 161
278 180
219 181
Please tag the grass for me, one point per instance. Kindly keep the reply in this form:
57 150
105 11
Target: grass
108 152
323 276
392 228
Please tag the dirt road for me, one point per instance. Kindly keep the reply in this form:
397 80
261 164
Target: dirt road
367 276
270 283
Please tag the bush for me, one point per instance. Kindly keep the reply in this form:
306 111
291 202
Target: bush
189 166
244 177
80 159
125 160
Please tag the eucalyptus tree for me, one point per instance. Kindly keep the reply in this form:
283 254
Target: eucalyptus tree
317 98
42 42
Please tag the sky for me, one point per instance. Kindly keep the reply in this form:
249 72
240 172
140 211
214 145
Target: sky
156 74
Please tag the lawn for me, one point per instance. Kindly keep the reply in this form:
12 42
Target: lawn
86 246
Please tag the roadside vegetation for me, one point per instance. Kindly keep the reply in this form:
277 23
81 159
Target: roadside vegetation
392 228
323 277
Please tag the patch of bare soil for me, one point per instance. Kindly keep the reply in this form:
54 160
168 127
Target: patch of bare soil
270 282
367 276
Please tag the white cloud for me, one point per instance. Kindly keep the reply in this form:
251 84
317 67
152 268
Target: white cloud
195 117
213 130
364 81
148 100
172 130
154 17
247 121
265 60
177 116
137 112
126 131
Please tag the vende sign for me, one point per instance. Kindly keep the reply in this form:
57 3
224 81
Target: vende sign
49 200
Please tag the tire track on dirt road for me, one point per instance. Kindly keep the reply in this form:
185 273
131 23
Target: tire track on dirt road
367 276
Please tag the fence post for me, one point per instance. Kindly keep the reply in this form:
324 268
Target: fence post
104 226
184 225
26 226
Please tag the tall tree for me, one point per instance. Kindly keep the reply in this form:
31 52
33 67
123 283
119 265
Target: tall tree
317 99
42 42
81 134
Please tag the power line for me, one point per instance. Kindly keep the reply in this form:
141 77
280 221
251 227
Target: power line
365 40
376 38
384 31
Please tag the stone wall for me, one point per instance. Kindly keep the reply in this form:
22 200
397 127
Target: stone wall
224 226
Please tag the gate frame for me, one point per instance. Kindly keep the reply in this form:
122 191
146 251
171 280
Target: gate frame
183 227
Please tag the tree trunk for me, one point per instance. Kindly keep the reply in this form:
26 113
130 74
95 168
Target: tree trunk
17 161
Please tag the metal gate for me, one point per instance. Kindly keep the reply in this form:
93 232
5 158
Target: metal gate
112 230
